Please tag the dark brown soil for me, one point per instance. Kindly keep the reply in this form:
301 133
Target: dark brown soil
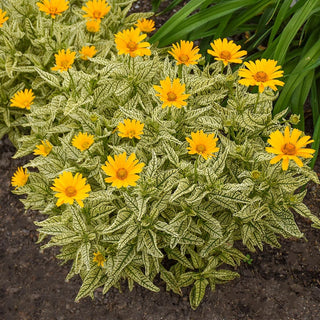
279 284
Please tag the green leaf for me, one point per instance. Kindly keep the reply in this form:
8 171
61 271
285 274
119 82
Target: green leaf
197 292
138 276
123 218
90 282
131 233
51 79
170 280
150 241
178 256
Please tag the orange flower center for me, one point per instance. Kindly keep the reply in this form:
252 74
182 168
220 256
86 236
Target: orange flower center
200 148
289 149
131 133
97 14
132 46
122 173
64 63
53 11
261 76
226 55
184 58
70 191
171 96
85 144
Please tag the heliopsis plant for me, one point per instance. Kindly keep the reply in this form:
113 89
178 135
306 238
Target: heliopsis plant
145 25
70 188
226 51
93 25
3 17
122 171
64 60
262 73
129 42
23 99
83 141
96 9
43 149
185 53
202 144
129 186
289 147
87 52
172 94
53 7
19 178
99 259
130 129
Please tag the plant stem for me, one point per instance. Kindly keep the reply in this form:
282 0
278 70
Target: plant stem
72 83
180 71
51 28
255 105
196 170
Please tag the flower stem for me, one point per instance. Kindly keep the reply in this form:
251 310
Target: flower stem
255 105
196 170
51 28
180 71
72 83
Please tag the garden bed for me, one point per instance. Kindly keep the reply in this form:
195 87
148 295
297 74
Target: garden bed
279 284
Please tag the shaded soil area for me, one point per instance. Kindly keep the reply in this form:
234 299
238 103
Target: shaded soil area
279 284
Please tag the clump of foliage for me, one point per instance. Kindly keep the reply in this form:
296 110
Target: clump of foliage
29 39
284 30
150 166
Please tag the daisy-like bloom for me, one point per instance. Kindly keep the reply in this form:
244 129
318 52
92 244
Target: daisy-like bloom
43 149
226 51
261 73
96 9
122 171
184 53
70 188
99 258
22 99
83 141
93 25
129 42
87 52
289 147
64 60
19 178
145 25
172 94
203 144
53 7
130 129
3 19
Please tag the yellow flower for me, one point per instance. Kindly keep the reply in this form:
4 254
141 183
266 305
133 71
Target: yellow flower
99 258
145 25
19 178
43 149
83 141
3 19
87 52
289 147
184 53
203 144
226 51
93 25
172 94
128 42
261 73
70 188
122 171
22 99
53 7
96 9
64 60
130 129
